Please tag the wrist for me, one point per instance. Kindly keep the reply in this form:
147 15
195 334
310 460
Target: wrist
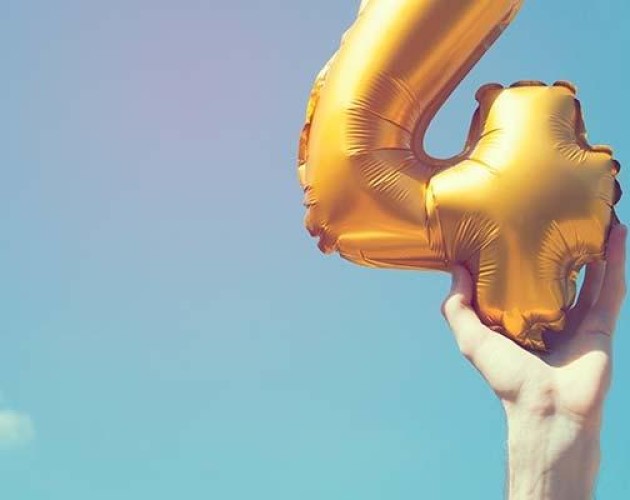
551 456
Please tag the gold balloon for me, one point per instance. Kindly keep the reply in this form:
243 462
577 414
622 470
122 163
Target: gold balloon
525 204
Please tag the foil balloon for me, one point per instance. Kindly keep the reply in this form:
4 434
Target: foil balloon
524 205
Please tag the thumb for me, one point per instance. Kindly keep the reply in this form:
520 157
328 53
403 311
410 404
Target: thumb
459 314
462 284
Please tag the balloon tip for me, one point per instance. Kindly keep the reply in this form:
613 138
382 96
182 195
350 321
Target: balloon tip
602 148
484 90
528 83
566 85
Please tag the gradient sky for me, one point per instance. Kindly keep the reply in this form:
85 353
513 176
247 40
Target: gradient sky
169 330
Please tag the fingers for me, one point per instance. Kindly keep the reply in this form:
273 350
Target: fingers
464 322
613 290
499 360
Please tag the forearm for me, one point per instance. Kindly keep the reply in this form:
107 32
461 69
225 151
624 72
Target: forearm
551 457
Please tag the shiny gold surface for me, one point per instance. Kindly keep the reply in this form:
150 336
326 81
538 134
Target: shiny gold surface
523 207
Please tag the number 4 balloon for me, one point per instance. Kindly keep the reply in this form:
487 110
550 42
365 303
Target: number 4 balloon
524 206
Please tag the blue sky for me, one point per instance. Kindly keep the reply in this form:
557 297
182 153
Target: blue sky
168 328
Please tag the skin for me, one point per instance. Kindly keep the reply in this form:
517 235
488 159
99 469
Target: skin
553 401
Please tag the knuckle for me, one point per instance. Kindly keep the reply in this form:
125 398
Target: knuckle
443 308
466 351
451 306
447 306
467 347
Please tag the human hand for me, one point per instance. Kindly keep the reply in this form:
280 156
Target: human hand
574 375
553 401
